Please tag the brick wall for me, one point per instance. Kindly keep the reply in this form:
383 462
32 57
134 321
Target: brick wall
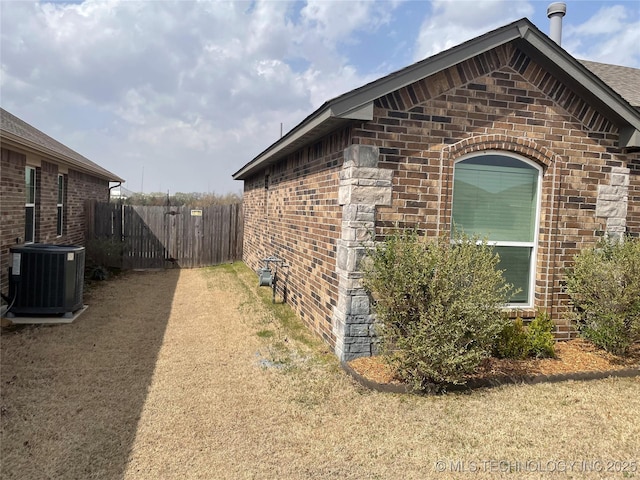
297 217
80 186
500 100
12 199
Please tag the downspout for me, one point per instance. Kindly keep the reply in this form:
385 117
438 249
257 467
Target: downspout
115 186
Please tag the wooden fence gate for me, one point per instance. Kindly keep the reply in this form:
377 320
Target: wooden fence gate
132 236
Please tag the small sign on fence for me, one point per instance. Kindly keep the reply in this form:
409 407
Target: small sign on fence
196 213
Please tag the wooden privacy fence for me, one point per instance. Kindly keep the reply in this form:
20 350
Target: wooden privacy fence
133 236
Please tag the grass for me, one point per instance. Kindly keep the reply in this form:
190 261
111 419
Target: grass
99 399
265 333
285 329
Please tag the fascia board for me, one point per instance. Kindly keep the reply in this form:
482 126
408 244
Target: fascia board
286 141
361 112
426 68
358 104
624 114
630 137
20 143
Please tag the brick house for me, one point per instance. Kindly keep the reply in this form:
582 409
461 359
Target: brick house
43 186
506 135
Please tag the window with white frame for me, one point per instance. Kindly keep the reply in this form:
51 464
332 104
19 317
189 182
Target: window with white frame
60 206
30 205
496 197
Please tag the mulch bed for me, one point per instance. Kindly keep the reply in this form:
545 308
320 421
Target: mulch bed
575 359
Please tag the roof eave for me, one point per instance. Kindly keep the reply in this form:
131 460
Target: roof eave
308 131
32 147
579 77
358 104
428 67
629 138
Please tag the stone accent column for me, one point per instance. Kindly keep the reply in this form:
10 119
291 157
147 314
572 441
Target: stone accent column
363 186
613 201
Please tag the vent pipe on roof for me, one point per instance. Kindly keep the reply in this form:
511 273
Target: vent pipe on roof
555 12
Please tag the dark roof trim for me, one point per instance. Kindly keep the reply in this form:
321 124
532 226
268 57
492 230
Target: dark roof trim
16 133
579 77
358 104
327 118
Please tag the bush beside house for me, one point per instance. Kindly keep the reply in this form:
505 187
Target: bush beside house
604 286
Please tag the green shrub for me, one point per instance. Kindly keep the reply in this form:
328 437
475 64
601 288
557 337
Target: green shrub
519 341
513 341
540 336
103 252
604 285
438 305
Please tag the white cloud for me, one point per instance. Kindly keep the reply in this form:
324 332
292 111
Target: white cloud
205 84
454 21
611 35
333 22
192 90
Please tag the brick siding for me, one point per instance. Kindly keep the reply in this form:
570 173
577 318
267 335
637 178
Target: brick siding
500 100
80 187
295 215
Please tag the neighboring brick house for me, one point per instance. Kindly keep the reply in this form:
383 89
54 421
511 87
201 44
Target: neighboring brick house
43 188
507 135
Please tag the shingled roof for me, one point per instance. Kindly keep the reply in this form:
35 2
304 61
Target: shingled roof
17 132
624 80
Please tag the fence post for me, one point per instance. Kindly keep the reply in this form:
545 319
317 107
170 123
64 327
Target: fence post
89 219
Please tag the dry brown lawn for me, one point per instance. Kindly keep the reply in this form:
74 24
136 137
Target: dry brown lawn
188 374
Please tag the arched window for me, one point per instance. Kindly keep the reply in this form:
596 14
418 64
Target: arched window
496 196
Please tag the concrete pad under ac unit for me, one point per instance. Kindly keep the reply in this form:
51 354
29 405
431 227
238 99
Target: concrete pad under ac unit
44 320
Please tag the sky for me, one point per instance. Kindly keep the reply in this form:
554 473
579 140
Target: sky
176 96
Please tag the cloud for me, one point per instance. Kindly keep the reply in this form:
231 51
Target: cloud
452 22
192 90
611 35
203 84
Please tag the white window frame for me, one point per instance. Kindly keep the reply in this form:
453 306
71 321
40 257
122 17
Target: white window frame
32 205
60 206
497 243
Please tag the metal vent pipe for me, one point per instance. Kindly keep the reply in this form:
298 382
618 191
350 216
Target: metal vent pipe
555 12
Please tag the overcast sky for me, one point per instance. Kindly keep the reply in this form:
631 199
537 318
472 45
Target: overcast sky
189 91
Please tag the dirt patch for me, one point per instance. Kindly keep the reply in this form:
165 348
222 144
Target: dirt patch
572 357
188 374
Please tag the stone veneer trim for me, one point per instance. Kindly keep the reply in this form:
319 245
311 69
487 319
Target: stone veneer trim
363 186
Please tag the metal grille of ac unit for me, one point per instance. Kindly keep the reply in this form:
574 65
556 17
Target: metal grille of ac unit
50 279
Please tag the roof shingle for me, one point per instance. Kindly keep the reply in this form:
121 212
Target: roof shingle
624 80
34 138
